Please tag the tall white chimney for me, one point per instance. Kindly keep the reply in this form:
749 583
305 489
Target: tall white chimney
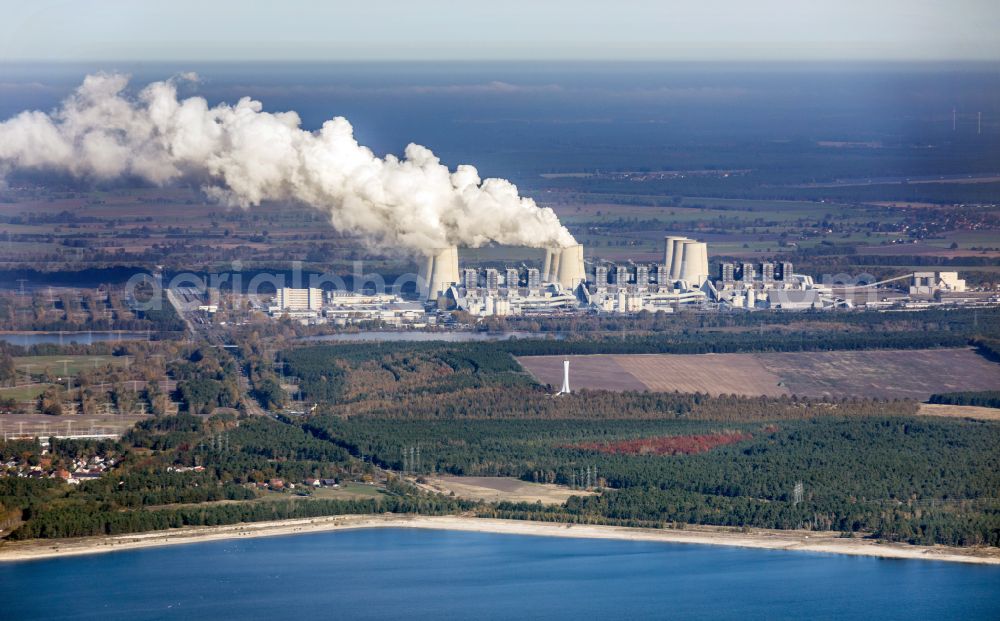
565 386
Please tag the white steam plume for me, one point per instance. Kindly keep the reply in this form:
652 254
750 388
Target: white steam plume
245 155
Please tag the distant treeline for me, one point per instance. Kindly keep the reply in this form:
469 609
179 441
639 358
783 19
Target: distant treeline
923 260
774 185
698 343
729 342
88 519
982 398
989 348
968 322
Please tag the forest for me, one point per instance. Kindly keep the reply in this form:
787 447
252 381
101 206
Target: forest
862 467
865 465
916 480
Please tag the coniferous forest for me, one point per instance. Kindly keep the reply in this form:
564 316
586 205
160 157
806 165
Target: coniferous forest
857 466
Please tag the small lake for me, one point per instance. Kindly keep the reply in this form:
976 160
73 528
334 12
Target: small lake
27 339
451 337
435 574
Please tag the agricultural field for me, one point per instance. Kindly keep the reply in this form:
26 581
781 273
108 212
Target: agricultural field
54 366
871 374
348 491
174 227
26 392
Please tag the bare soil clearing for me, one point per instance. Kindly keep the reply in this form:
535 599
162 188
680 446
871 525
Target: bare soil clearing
959 411
497 489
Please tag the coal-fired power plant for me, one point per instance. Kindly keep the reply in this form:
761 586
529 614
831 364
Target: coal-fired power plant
561 283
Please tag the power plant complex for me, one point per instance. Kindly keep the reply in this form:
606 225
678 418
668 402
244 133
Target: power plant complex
565 284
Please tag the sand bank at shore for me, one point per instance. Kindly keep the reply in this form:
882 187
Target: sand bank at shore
804 541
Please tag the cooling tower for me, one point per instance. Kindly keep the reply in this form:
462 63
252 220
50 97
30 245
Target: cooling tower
424 280
677 258
668 251
702 261
547 264
440 271
694 262
554 265
568 267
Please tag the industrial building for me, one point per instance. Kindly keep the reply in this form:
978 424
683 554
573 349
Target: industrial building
299 303
682 279
566 284
773 286
345 308
930 283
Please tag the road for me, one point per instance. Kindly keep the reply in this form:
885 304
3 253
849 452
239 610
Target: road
206 332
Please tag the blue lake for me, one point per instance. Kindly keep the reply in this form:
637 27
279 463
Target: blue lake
421 574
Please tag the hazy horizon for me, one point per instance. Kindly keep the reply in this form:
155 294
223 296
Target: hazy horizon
717 30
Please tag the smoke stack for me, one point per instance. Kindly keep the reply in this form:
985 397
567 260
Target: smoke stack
440 272
669 243
565 387
569 269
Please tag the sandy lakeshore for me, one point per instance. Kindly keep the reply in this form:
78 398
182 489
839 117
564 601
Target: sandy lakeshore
804 541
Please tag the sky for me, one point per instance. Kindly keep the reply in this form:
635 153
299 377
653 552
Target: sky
475 30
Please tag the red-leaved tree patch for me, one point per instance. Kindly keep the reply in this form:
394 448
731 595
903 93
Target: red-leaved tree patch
666 445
